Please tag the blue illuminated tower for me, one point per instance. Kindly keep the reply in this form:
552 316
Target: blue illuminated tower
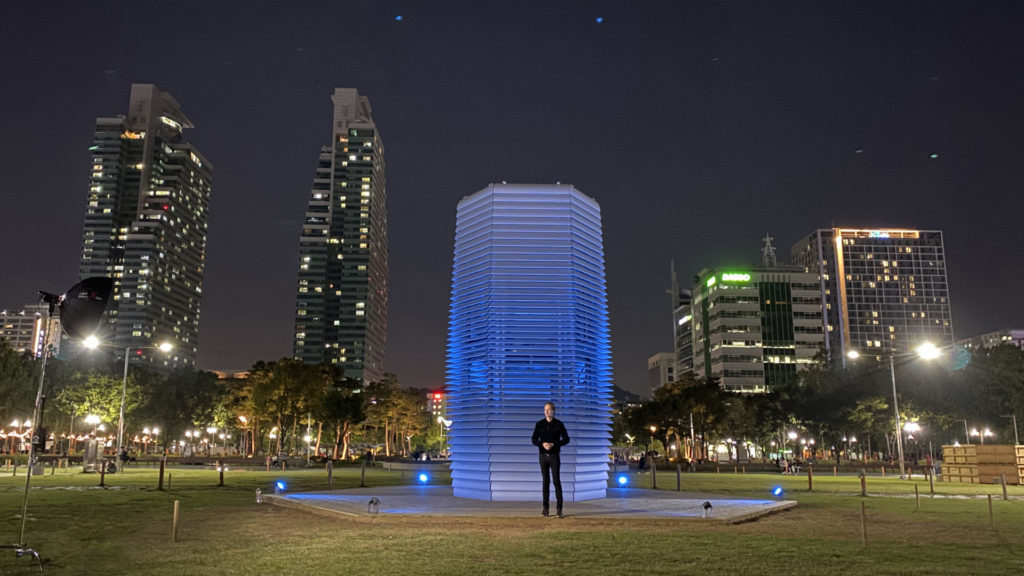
528 324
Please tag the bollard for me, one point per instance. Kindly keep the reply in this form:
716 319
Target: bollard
718 469
1002 480
931 483
834 472
883 471
810 478
268 463
15 473
330 475
8 464
735 470
917 498
743 470
163 466
174 522
863 482
654 476
53 467
863 526
220 467
283 464
169 477
103 471
679 478
362 476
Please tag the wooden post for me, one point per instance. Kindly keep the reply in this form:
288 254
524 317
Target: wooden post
991 516
679 478
718 469
174 524
735 470
931 483
103 472
917 498
654 476
883 471
1002 480
863 526
330 475
268 463
810 478
863 482
362 476
220 467
283 464
163 466
743 469
834 472
169 476
53 467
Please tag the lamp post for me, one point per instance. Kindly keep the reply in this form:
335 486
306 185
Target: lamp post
928 351
1016 439
92 342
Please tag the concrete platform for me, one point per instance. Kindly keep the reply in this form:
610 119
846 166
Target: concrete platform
620 503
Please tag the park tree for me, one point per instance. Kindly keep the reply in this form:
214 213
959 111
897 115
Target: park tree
19 377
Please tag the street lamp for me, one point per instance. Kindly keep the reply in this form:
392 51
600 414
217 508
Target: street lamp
982 434
92 343
928 351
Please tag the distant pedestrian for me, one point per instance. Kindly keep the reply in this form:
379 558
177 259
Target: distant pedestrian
549 435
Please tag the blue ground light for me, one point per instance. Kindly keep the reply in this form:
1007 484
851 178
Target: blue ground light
622 480
777 491
423 478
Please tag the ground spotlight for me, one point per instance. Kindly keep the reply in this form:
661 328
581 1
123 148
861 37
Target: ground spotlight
423 478
622 480
279 487
777 491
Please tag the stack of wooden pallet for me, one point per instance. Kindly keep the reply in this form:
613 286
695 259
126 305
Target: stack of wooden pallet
983 464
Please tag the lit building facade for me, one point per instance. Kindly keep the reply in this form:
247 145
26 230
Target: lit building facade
342 297
755 327
661 369
992 339
682 325
25 329
883 289
528 324
146 223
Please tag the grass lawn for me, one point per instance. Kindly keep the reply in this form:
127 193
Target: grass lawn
125 528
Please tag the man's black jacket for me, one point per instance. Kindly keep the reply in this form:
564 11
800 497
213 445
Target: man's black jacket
553 432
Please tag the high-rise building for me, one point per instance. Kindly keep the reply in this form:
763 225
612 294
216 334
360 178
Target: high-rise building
25 329
145 226
755 327
661 369
342 304
682 325
528 325
883 290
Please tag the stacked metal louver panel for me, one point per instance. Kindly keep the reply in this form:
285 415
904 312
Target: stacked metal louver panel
528 324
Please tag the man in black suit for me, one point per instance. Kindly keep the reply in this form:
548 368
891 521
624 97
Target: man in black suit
549 435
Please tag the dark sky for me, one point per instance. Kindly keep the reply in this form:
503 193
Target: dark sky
698 126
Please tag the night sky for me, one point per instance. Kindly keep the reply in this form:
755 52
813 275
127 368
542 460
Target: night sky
698 126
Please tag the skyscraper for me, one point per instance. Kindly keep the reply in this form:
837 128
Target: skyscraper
883 290
528 325
145 226
342 301
755 327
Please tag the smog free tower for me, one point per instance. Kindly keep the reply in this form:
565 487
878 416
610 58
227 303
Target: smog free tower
528 324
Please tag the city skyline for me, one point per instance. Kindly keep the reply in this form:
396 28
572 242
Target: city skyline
867 116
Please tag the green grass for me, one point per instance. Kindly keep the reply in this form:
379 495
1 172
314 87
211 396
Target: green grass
80 528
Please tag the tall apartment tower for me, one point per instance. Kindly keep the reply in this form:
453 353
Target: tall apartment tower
882 289
342 301
145 226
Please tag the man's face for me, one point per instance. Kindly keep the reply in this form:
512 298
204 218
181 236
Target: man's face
549 411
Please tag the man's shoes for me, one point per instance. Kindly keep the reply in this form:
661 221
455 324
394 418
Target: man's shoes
545 513
559 514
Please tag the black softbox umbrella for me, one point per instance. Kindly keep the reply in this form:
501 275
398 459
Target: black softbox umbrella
82 307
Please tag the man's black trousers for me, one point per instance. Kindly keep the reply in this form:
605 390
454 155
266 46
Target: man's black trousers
549 469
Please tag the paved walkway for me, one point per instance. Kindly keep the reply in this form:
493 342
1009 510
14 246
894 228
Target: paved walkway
620 503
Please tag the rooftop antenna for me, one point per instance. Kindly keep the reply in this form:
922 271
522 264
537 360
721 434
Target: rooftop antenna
768 252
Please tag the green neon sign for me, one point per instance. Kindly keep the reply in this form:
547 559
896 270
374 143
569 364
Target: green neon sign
735 277
711 281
